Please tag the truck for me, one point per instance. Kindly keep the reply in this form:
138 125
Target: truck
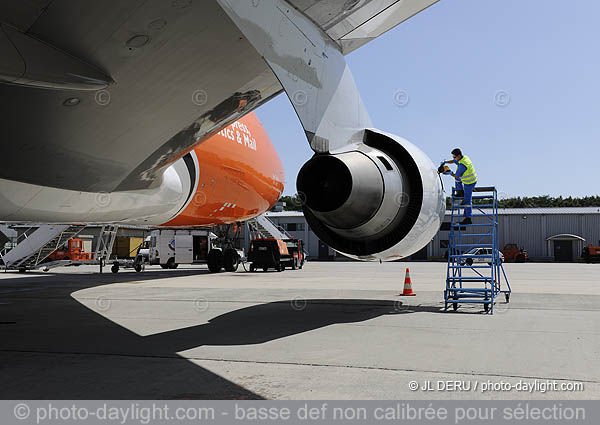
513 253
171 247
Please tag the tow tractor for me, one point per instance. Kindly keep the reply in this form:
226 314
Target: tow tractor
73 252
512 252
270 253
591 254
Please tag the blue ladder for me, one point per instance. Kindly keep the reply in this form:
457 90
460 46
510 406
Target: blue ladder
475 270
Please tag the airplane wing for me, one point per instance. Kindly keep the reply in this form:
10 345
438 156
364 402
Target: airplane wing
353 23
103 96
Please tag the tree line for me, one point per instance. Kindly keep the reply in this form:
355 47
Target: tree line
544 201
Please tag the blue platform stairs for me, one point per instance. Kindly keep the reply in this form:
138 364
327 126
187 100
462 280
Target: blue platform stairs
475 272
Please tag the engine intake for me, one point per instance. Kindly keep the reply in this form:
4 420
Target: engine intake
382 200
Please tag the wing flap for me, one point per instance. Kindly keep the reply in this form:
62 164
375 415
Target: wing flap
353 23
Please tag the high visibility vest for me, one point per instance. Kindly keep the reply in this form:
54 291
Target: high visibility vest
469 176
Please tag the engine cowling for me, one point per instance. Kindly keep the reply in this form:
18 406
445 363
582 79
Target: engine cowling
381 200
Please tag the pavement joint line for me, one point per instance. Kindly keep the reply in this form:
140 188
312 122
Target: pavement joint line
528 308
475 329
324 365
381 326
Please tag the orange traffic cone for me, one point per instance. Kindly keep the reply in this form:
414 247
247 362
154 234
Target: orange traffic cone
407 284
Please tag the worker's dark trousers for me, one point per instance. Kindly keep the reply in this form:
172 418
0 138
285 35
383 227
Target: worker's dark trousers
468 189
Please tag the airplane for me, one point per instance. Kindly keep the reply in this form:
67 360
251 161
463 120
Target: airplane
139 112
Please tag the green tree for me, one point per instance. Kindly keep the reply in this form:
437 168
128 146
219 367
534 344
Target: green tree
292 203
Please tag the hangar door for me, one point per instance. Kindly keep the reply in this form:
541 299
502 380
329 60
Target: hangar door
563 251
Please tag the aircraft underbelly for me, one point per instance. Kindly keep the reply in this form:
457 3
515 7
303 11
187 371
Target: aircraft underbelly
181 71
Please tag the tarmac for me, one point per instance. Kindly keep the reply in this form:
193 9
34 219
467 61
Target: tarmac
333 330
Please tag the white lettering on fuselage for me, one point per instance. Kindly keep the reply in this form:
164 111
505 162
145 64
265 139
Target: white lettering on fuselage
240 133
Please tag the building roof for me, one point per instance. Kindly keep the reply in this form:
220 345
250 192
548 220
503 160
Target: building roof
284 214
541 211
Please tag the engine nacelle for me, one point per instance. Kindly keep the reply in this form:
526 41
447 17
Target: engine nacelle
383 200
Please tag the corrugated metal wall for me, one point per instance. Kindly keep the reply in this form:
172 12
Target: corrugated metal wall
528 230
531 231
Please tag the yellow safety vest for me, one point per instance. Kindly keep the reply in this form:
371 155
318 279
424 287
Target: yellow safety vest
469 176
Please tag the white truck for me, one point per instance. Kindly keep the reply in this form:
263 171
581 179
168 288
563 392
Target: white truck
171 247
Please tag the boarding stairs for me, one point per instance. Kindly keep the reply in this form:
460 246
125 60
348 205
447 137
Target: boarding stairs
262 227
475 272
106 241
36 244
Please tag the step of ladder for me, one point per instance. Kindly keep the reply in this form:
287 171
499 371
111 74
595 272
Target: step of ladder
470 279
474 245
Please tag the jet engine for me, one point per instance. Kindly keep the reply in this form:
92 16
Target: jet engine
381 199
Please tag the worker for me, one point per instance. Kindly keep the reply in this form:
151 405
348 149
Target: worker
466 178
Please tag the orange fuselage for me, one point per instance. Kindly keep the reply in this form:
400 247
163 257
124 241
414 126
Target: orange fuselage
239 175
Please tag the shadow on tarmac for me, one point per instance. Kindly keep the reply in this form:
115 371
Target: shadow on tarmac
53 347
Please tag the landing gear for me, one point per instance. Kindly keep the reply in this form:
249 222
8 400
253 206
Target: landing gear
215 260
231 260
224 255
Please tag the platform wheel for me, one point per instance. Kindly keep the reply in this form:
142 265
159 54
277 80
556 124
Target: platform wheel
137 268
455 306
252 267
265 269
486 307
115 268
507 297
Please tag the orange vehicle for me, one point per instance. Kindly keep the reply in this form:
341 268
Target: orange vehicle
269 253
513 253
74 252
591 254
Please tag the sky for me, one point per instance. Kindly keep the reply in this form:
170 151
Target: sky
514 83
